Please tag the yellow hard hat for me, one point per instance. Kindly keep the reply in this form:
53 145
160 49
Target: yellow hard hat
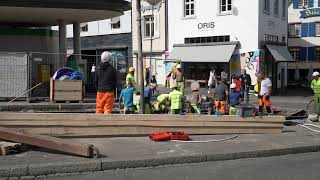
131 69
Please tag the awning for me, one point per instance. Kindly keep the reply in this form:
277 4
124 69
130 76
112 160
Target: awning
203 53
280 53
115 20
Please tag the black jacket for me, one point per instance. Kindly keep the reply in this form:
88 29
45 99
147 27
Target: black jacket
247 78
106 78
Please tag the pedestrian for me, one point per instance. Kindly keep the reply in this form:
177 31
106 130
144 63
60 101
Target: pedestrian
234 98
106 83
130 76
315 86
236 81
212 82
224 76
147 98
195 98
126 96
220 95
245 85
175 98
154 83
265 89
179 76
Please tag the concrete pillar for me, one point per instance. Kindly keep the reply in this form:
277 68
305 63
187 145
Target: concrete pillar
77 42
62 43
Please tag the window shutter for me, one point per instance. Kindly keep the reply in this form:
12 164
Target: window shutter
295 4
156 25
303 54
311 53
304 29
312 29
310 3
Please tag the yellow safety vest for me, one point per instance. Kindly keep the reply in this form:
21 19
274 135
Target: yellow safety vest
315 86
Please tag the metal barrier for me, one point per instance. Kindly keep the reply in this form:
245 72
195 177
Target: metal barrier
27 75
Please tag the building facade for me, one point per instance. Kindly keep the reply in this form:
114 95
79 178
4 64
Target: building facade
229 35
304 39
154 37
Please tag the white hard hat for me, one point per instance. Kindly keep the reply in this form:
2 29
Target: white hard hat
316 73
106 56
179 66
233 86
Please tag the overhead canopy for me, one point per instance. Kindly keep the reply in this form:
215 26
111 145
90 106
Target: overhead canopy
280 53
49 12
203 53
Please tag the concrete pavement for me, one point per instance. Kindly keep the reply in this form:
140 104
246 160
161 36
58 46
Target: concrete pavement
293 167
136 152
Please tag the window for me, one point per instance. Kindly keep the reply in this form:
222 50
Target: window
295 30
188 8
318 29
318 54
208 39
295 53
225 6
303 3
270 38
276 7
84 27
148 27
284 8
267 5
115 23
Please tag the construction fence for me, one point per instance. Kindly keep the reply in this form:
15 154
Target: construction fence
27 74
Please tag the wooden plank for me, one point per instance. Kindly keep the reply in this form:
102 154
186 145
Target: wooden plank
7 148
52 143
143 131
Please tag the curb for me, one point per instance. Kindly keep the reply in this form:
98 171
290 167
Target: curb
65 169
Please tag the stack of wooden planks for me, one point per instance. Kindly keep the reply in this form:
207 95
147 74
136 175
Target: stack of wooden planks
93 125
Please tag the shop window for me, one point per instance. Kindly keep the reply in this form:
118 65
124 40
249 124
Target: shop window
210 39
189 8
294 30
225 6
84 27
318 29
303 3
148 27
295 53
276 7
284 8
267 6
318 54
115 23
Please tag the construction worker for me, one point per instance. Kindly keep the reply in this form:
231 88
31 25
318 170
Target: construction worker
175 98
179 77
130 76
221 93
234 98
161 104
105 82
126 96
264 93
315 86
195 98
147 98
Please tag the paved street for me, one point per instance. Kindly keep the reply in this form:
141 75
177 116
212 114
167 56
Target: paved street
301 166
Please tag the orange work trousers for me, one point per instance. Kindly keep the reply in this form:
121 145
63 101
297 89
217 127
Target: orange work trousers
222 108
104 102
264 102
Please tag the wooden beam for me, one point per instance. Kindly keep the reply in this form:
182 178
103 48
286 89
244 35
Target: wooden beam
47 142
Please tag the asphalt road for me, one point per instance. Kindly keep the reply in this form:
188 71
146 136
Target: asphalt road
291 167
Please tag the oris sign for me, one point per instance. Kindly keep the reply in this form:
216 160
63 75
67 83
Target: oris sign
206 26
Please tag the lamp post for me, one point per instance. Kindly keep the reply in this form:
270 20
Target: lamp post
140 58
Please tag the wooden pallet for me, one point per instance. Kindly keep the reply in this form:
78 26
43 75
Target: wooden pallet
65 102
93 125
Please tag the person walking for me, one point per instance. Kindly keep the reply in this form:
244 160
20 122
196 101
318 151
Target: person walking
265 89
245 85
315 86
106 83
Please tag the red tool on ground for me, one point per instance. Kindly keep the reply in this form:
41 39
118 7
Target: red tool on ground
167 136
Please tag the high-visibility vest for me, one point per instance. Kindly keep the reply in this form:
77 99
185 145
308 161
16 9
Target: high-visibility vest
315 86
131 79
176 99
